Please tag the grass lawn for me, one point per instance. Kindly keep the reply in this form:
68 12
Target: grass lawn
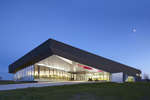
94 91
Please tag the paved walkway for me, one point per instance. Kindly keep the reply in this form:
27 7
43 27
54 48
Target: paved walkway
27 85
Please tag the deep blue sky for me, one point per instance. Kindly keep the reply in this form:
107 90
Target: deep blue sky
24 24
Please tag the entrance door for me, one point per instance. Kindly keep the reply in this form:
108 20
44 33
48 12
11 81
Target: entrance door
73 77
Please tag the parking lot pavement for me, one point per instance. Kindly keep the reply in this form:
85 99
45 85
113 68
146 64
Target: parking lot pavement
42 84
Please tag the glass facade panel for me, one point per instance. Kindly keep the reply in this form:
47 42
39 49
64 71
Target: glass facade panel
26 74
130 79
56 68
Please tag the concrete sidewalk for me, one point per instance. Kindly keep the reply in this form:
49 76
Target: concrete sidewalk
27 85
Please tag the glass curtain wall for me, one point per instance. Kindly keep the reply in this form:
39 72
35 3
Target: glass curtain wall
56 68
43 73
59 68
26 74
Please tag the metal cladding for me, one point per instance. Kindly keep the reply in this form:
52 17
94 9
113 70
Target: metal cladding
51 47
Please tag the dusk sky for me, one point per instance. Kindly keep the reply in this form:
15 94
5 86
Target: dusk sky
103 27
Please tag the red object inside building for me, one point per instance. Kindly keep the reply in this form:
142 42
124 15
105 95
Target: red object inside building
85 67
100 71
89 68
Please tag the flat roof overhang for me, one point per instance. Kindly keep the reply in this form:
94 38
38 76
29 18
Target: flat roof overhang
51 47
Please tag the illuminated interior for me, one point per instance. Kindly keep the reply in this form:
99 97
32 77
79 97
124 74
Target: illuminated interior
56 68
130 79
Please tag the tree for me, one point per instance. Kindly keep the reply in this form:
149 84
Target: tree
146 76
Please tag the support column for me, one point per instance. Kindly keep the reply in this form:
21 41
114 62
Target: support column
38 71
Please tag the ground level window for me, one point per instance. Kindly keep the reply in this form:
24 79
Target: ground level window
130 79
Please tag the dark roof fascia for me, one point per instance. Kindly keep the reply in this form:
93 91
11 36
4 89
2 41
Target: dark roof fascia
52 46
41 52
90 59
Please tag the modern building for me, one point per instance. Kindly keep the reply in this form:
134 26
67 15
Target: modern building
56 61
